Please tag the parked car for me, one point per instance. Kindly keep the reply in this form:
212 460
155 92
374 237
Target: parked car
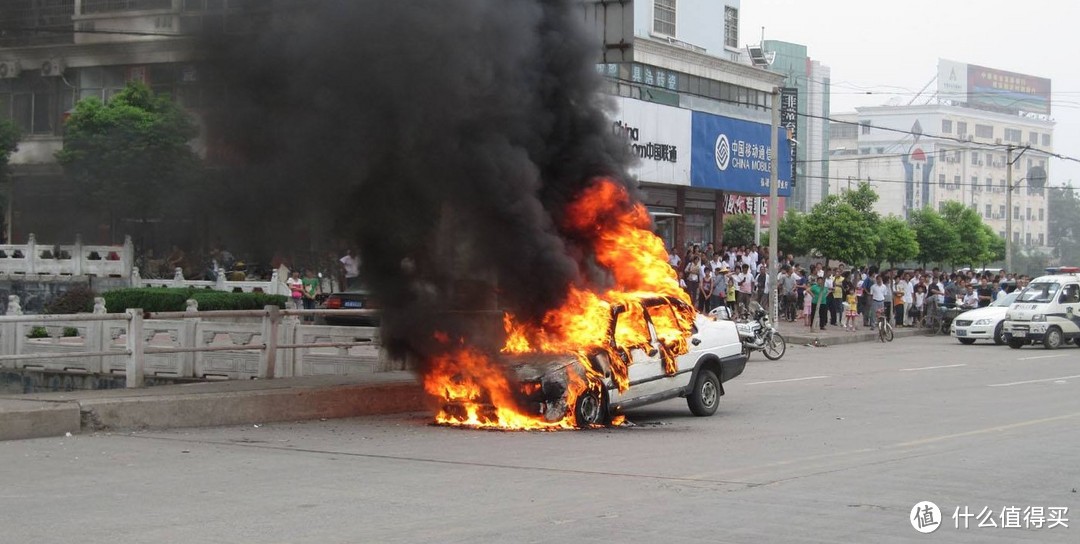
353 299
1047 312
715 356
984 323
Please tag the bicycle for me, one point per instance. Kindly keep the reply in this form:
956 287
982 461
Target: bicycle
934 319
884 328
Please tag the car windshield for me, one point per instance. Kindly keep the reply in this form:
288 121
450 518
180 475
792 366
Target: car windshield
1039 292
1007 299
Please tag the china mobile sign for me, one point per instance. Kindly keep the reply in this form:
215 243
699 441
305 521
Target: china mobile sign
734 155
659 136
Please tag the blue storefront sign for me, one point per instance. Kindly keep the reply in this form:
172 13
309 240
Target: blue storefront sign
733 155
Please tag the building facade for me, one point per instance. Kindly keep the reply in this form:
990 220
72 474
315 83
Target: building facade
925 155
812 80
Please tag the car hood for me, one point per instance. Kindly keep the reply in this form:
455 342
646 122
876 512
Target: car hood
989 312
534 366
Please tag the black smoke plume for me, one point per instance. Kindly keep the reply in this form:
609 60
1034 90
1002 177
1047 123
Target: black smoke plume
443 137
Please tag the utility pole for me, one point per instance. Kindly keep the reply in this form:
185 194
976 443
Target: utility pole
774 219
1008 210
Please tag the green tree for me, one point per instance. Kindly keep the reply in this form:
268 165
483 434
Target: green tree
1063 229
897 242
9 143
995 249
131 154
973 245
791 234
937 239
838 230
739 229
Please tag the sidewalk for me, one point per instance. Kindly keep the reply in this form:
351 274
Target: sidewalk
796 333
208 404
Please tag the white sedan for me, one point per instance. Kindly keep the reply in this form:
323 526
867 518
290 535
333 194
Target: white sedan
983 323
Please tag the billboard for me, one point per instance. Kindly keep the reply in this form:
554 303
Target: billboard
734 155
659 136
991 89
789 119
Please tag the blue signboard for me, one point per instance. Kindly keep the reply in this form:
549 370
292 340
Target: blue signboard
733 155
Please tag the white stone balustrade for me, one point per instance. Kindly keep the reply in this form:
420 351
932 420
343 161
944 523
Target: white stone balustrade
75 259
274 286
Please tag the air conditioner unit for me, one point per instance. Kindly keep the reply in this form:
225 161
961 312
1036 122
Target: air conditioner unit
9 69
52 68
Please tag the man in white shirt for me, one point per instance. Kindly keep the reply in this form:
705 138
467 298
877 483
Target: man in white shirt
350 264
878 292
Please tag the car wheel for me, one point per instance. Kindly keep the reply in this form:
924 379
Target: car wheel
1053 339
775 347
591 409
999 338
966 341
1015 343
705 398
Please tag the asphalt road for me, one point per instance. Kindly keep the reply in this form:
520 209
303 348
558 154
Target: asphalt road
832 444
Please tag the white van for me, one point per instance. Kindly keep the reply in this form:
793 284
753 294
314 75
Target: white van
1047 312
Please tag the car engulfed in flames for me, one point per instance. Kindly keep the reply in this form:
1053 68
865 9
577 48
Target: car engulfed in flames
634 341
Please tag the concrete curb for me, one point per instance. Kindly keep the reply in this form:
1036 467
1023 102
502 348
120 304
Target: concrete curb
36 419
210 404
802 339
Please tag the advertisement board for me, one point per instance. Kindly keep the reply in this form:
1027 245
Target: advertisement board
742 204
659 136
733 155
992 89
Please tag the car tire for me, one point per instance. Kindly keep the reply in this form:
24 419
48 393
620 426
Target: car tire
966 341
776 348
1016 343
1053 338
999 337
591 409
704 399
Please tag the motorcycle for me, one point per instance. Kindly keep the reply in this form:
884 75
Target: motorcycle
758 334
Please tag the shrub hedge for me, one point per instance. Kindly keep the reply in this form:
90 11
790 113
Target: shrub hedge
170 299
79 298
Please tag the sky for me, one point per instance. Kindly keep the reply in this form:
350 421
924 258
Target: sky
883 50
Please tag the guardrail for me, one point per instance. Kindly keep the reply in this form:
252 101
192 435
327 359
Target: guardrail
67 259
262 344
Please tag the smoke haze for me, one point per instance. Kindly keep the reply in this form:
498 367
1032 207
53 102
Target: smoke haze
443 137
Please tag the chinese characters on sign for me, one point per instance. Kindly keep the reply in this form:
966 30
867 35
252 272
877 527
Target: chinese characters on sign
647 150
789 119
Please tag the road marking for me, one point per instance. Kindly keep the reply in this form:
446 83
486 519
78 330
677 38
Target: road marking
1042 357
931 367
1034 381
988 430
791 380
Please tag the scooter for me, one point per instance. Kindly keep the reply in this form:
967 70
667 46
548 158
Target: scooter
758 334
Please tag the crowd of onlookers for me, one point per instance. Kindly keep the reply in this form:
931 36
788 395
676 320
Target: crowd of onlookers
839 296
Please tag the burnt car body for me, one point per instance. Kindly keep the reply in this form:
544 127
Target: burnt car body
714 356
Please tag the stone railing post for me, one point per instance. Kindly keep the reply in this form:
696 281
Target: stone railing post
136 277
219 279
135 367
275 288
31 255
178 277
77 257
269 333
9 344
127 257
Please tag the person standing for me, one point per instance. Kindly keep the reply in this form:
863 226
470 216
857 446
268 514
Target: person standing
878 293
692 274
350 265
296 290
312 289
718 295
820 307
705 290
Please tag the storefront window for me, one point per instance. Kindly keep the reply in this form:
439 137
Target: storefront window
699 226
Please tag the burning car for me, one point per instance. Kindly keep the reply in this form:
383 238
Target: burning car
643 361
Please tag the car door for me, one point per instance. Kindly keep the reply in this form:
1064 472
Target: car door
1070 302
633 330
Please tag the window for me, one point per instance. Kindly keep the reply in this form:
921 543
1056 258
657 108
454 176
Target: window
1033 138
1029 214
1040 219
975 183
30 102
974 158
989 210
664 17
1012 135
731 27
961 129
1016 212
984 131
1046 140
940 180
1016 237
105 6
1002 189
1027 239
955 182
1042 242
865 125
1001 215
946 126
989 184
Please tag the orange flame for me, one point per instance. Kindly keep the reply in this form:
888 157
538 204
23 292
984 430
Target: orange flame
479 391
